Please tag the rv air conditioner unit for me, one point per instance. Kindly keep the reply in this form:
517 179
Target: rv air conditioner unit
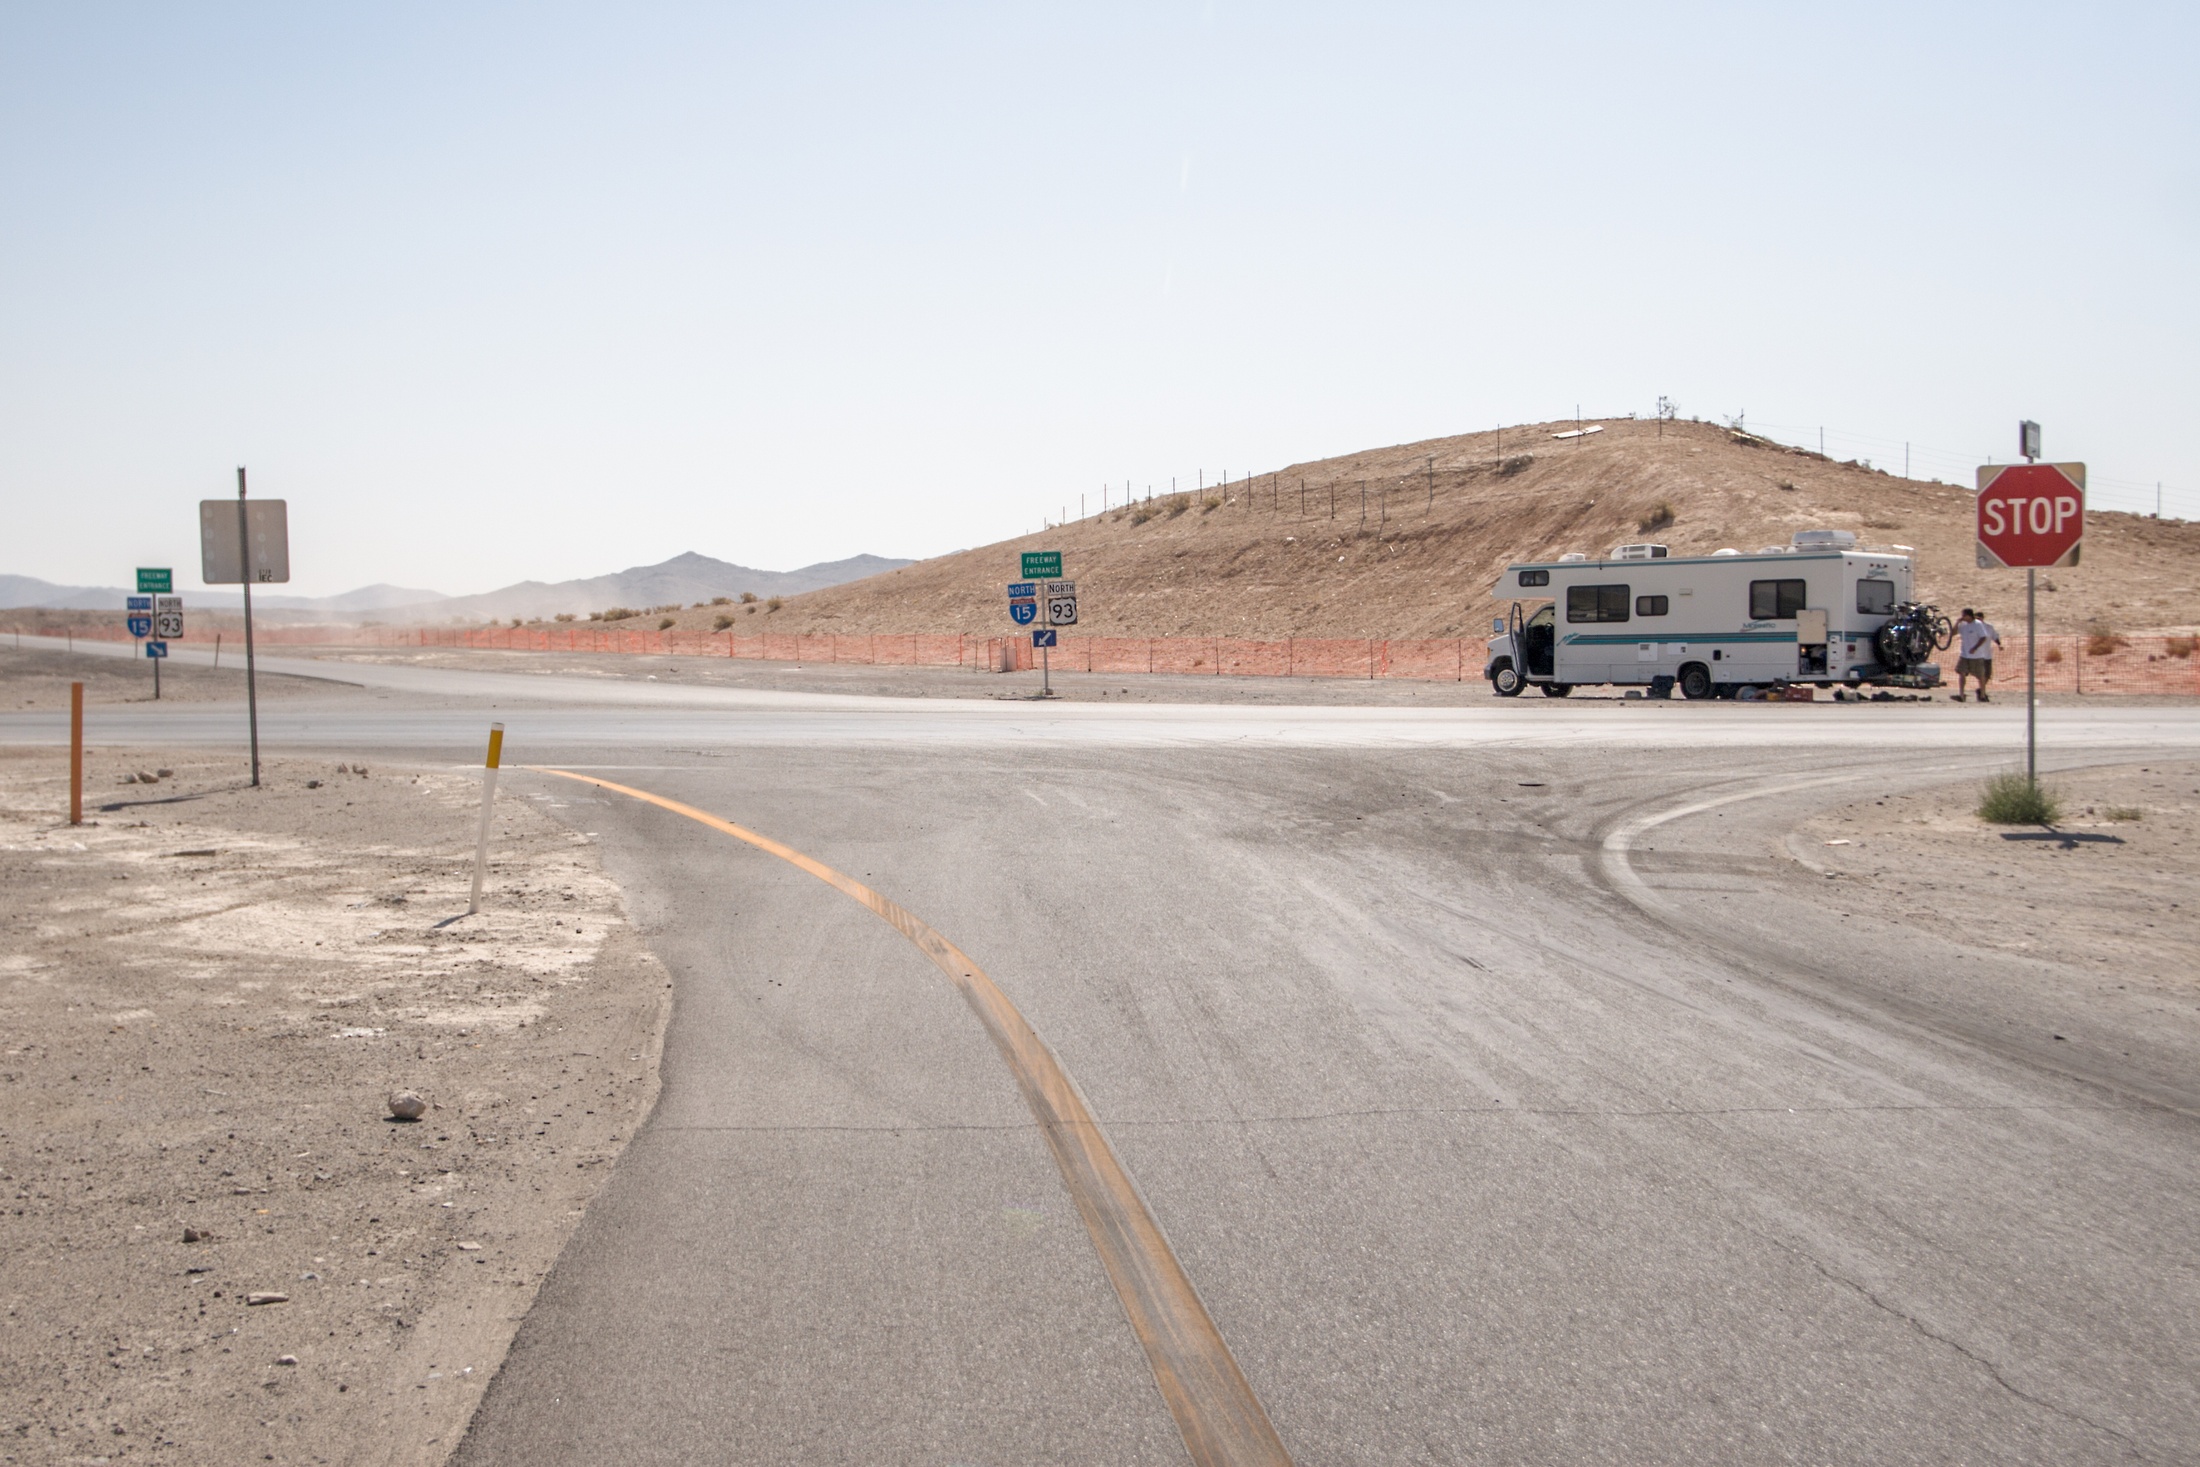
1825 539
1640 552
1571 556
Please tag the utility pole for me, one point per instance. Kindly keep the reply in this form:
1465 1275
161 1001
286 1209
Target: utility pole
1432 485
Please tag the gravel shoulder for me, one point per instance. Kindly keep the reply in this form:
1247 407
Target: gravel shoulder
206 994
2112 888
35 678
862 680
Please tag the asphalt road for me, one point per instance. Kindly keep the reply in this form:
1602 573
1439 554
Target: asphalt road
1504 1094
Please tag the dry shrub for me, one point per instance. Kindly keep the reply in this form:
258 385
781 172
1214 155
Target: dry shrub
563 616
720 622
721 601
2011 799
1513 464
2183 646
2124 812
2104 641
668 624
1209 506
613 613
1788 485
2052 654
1661 514
1181 504
1143 513
774 604
748 598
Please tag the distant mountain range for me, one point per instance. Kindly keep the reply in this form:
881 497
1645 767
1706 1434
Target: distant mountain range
30 591
680 580
683 579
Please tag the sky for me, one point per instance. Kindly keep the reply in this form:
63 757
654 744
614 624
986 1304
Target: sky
496 292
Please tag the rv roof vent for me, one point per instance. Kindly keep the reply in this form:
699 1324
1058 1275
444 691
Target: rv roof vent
1775 549
1640 552
1571 556
1729 550
1824 539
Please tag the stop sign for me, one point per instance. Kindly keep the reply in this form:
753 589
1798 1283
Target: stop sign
2030 514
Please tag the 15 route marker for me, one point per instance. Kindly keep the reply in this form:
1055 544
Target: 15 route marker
2030 515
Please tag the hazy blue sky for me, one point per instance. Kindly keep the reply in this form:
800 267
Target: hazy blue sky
489 292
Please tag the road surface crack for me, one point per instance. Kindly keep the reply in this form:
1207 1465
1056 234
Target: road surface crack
1992 1370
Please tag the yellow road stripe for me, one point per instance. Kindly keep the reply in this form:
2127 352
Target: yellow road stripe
1214 1405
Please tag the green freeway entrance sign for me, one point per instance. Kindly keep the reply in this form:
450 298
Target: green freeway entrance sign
1042 565
153 581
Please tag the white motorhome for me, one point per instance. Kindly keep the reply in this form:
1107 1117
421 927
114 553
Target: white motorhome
1808 612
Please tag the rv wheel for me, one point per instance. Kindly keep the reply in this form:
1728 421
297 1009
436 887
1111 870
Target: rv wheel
1695 681
1505 681
1557 690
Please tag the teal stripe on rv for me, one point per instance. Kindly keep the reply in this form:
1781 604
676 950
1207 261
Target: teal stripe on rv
1589 639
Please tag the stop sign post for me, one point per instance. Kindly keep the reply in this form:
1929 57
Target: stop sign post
2030 515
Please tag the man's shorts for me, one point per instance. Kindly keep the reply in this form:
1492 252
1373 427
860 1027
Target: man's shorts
1981 668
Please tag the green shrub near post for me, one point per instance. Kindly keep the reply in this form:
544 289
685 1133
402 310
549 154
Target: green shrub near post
2012 799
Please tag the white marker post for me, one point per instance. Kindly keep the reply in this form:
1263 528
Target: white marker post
488 798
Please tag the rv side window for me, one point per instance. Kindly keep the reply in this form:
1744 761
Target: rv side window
1875 598
1596 603
1650 605
1774 600
1535 578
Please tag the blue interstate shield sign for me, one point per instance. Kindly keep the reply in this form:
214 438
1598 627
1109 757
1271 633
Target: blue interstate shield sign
1023 612
1044 637
141 626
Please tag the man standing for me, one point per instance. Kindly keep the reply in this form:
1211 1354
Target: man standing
1976 640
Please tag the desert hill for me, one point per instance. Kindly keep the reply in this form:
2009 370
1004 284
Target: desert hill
1444 516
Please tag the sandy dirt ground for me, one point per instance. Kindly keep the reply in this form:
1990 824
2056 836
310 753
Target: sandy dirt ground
206 994
2113 887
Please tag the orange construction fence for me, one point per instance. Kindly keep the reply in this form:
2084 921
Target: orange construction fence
2068 663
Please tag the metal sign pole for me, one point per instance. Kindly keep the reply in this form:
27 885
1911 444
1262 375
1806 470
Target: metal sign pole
2031 676
251 671
1046 672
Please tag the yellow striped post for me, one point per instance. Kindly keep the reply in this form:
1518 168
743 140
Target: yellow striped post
488 799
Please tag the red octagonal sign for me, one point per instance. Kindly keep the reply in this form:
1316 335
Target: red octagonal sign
2030 514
